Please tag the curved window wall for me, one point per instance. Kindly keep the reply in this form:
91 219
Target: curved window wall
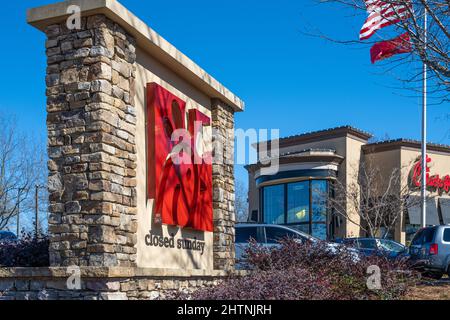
301 205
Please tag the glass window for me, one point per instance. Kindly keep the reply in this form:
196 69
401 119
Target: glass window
301 227
298 202
319 230
418 238
274 235
428 235
274 204
367 244
243 235
319 190
391 246
301 205
447 235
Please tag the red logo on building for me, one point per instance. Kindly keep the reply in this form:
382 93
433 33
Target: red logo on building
182 189
435 182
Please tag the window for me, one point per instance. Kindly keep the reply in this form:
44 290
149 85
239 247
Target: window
298 202
424 236
301 227
319 195
391 246
301 205
274 235
367 244
447 235
428 235
418 238
274 204
245 234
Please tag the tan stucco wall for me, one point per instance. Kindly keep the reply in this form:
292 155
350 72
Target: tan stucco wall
166 257
385 163
405 158
349 172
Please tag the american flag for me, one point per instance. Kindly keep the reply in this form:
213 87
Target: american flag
383 14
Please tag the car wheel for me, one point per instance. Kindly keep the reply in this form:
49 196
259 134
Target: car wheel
433 275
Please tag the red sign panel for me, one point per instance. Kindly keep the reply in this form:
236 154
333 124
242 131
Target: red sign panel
435 182
179 178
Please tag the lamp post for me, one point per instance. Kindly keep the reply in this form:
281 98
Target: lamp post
424 130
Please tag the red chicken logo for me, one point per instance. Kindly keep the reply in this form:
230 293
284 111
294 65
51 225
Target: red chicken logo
179 179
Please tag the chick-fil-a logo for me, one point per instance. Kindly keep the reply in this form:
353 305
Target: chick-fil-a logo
435 182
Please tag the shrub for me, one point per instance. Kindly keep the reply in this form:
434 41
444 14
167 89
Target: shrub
29 251
296 271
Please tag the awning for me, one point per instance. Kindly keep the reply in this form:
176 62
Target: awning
415 212
444 204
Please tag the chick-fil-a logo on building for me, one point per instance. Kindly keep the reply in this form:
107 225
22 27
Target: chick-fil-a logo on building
434 182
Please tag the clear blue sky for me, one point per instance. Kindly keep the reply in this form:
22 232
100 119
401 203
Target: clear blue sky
255 48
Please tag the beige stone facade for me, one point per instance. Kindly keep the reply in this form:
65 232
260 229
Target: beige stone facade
336 155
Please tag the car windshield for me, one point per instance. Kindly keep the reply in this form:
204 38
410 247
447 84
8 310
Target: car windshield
245 234
367 244
391 246
275 234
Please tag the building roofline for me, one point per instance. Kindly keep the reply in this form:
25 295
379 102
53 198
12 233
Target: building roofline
322 135
398 143
146 38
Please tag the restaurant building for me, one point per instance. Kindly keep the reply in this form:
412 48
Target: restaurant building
311 164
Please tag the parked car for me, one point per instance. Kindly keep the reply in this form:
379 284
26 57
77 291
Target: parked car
375 246
430 251
269 235
7 236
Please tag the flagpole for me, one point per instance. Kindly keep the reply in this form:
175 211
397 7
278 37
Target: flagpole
424 128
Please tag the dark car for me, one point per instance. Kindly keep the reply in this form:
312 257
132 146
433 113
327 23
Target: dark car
7 237
375 246
269 236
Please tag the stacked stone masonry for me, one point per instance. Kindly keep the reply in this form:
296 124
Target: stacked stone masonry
42 287
223 186
91 144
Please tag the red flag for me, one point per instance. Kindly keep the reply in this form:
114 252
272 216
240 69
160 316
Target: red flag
386 49
382 14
